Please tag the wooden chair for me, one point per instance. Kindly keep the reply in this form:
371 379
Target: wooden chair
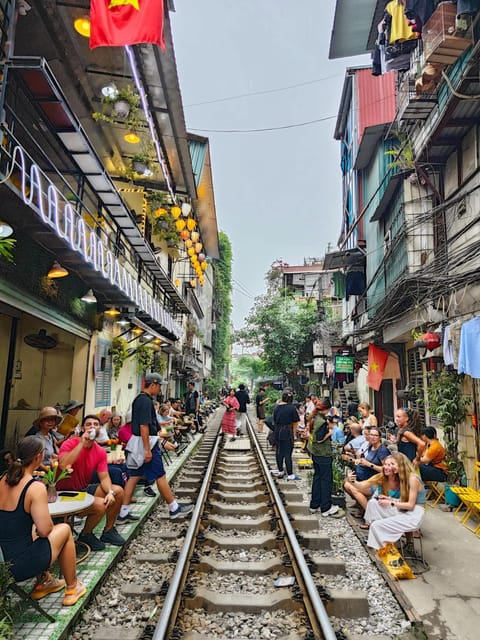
24 596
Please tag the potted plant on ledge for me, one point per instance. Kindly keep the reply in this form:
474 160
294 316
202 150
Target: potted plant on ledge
447 403
121 106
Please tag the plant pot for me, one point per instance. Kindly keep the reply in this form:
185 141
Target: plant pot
121 108
140 167
339 500
451 498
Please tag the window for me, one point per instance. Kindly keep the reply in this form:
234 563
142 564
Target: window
103 374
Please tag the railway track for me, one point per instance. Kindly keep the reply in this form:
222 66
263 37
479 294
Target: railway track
216 575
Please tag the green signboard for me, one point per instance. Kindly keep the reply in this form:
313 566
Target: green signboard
343 364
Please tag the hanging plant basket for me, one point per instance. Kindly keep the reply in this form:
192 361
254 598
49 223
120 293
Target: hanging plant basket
121 108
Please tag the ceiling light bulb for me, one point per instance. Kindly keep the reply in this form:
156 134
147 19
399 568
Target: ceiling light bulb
89 297
82 26
5 229
112 312
57 271
137 331
132 137
110 91
123 322
148 172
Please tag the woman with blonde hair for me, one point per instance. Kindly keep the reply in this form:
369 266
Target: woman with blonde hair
367 418
399 505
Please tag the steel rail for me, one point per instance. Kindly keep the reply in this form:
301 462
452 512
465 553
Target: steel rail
171 603
314 597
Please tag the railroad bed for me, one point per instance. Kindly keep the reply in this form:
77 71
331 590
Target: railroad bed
215 575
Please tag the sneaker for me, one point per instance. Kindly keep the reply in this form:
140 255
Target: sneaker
293 476
93 542
314 509
148 491
182 511
129 517
280 474
332 511
113 537
42 589
75 593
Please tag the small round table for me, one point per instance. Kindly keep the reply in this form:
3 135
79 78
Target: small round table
67 507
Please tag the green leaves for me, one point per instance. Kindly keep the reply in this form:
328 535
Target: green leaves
6 248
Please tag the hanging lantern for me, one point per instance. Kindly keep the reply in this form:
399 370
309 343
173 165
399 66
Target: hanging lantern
204 265
201 257
193 282
191 252
175 211
194 260
191 224
180 224
176 282
159 212
184 235
195 236
188 243
186 208
198 247
428 341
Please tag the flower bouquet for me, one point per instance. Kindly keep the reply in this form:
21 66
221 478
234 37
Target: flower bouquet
51 476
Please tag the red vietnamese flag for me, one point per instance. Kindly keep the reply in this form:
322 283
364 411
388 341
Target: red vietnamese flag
377 361
115 23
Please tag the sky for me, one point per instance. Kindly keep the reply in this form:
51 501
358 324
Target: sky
263 64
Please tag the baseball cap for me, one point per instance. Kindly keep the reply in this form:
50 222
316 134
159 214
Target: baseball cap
153 378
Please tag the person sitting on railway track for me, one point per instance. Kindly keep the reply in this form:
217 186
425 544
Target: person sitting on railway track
89 462
320 447
23 508
399 507
144 456
285 419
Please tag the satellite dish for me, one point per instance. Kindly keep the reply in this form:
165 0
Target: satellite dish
40 340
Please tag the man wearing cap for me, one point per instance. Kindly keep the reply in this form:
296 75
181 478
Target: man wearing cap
320 447
144 457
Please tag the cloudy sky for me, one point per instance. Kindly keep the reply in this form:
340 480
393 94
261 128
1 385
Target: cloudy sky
263 64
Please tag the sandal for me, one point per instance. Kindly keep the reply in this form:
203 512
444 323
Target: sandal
42 589
358 514
364 526
73 594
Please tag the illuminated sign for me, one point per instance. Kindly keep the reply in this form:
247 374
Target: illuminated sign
56 212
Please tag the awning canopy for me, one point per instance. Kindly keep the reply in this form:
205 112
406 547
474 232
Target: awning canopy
341 259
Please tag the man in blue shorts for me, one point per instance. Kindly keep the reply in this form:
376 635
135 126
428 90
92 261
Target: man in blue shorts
144 457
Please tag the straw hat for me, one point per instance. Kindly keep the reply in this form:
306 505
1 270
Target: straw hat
47 412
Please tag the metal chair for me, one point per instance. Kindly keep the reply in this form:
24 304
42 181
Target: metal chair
23 595
435 492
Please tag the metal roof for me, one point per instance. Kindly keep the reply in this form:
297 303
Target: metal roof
352 27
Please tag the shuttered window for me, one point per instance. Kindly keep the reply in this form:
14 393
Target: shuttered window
103 374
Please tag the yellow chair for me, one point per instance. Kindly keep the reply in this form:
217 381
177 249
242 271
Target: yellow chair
470 499
305 463
435 492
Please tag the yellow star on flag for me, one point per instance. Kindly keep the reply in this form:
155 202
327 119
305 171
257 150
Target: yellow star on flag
374 366
119 3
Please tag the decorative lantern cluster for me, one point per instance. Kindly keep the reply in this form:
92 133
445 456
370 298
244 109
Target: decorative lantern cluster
186 225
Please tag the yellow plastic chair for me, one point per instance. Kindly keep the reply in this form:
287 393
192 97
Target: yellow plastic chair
435 492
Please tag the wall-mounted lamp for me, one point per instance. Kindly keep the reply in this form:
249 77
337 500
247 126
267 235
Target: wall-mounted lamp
112 312
137 331
57 271
82 26
123 322
110 91
6 230
89 297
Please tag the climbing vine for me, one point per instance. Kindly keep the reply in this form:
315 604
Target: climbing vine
221 338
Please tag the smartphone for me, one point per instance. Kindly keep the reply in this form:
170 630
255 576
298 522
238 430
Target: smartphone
68 494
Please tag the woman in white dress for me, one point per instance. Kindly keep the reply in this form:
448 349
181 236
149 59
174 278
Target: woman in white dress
392 513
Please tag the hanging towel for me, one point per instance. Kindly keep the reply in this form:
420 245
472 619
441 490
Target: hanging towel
469 357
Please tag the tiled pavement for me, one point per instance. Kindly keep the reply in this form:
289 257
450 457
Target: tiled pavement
33 626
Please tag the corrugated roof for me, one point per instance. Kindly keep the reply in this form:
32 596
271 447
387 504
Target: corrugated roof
198 150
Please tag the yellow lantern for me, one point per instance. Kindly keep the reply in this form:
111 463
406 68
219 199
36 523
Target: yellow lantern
191 224
176 211
188 243
202 282
193 282
204 265
194 260
180 224
195 236
198 247
159 212
191 251
176 282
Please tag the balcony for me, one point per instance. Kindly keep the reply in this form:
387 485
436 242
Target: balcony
442 41
411 105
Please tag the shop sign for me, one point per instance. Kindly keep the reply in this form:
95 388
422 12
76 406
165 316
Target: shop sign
344 364
57 213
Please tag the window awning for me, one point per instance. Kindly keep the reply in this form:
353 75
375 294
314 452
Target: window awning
341 259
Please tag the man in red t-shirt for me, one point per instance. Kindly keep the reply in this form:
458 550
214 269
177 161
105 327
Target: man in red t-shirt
85 456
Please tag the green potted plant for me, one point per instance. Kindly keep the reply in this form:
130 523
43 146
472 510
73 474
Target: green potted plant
119 353
403 155
6 248
447 403
121 105
144 358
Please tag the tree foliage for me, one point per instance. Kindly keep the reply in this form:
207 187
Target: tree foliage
221 338
248 369
283 329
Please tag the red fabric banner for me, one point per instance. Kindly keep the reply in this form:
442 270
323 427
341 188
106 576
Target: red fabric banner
377 361
115 23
